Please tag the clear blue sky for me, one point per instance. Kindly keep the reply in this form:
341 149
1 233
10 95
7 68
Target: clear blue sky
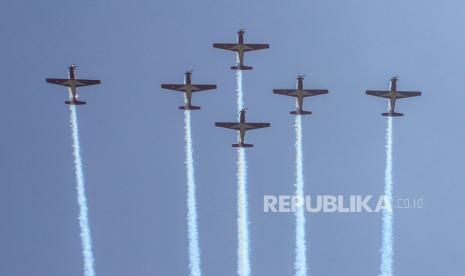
132 133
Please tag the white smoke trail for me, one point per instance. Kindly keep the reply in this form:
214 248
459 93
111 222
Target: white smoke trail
387 243
240 96
86 241
300 264
243 266
193 234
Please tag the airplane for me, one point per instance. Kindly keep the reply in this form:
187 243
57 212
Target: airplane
242 127
188 88
73 83
393 95
300 93
241 48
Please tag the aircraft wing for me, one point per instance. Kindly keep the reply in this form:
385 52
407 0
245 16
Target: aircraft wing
293 92
232 125
257 125
407 94
314 92
254 47
80 83
202 87
286 92
226 46
176 87
63 82
382 94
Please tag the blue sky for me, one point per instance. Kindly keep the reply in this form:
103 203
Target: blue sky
132 133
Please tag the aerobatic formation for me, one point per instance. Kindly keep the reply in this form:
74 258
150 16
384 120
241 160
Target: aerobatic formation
188 88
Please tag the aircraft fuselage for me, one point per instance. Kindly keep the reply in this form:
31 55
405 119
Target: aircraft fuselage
393 95
300 93
188 88
241 47
72 83
243 126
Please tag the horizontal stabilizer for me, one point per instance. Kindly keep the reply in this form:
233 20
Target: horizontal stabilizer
75 102
301 112
189 107
241 67
242 145
394 114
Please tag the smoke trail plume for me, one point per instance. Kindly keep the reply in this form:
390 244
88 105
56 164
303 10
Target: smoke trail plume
193 234
240 96
387 243
300 264
86 241
243 266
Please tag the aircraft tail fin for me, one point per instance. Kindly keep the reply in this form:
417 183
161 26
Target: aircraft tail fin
241 67
300 112
75 102
393 114
189 107
242 145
